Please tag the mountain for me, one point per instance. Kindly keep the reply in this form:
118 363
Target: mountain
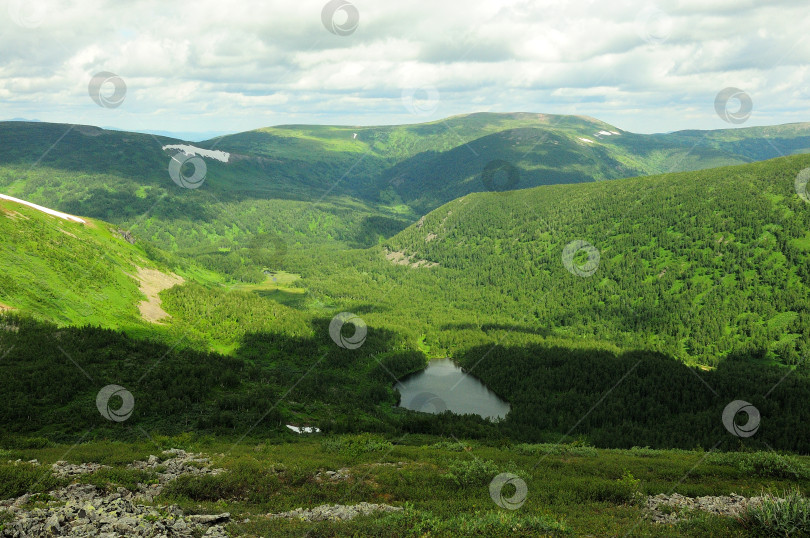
422 165
754 143
245 222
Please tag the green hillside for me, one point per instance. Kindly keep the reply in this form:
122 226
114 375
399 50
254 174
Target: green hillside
69 272
755 143
697 265
125 174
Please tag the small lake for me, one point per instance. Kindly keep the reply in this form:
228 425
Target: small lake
443 386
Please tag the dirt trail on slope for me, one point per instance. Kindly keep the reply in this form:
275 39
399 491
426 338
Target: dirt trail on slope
152 282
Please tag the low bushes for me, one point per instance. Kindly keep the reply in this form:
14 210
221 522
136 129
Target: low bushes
548 449
111 477
788 515
355 445
764 464
17 479
248 480
466 473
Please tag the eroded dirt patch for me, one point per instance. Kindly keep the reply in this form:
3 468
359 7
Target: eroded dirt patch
152 282
400 258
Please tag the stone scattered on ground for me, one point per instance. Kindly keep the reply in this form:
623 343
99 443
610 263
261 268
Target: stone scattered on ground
334 476
336 512
63 469
178 463
84 510
674 508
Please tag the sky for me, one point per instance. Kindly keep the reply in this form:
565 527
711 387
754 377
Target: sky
214 67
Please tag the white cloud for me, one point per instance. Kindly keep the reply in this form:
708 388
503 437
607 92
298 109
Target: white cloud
208 64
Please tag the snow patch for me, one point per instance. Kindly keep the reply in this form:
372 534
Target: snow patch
304 429
52 212
604 133
588 140
192 151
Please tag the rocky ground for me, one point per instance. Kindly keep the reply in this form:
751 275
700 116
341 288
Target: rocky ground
81 509
85 510
336 512
673 508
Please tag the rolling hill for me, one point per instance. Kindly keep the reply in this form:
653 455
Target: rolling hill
701 281
662 239
124 174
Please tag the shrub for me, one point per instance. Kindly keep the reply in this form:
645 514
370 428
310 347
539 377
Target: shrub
630 489
786 516
111 477
247 480
21 478
625 490
5 517
555 450
451 446
503 523
475 472
647 452
764 464
25 442
355 445
490 523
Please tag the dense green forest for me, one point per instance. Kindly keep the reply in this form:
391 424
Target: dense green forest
51 377
698 265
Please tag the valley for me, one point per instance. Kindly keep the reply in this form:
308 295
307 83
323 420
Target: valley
607 294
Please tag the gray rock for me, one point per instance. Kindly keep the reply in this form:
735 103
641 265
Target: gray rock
84 510
337 512
209 519
680 506
52 525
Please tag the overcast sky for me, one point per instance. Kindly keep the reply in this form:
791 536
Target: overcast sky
208 65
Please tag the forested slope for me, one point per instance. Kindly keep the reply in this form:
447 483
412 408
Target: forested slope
697 265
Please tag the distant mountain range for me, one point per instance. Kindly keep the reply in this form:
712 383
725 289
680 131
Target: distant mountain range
421 165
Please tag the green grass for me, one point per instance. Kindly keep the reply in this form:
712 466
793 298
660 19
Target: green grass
119 477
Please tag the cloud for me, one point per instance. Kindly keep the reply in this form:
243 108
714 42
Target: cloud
191 65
